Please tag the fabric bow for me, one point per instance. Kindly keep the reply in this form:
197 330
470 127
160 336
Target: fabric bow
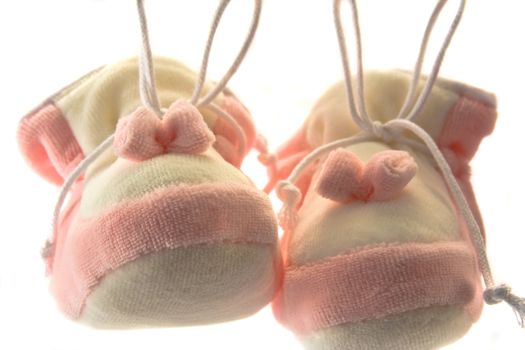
344 177
143 135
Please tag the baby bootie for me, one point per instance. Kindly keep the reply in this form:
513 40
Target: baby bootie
379 253
382 244
162 228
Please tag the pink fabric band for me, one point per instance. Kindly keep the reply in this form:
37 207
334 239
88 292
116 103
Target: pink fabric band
466 124
376 281
176 216
48 144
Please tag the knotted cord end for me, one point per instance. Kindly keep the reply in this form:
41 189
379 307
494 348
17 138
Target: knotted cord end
268 159
290 196
47 249
47 252
503 292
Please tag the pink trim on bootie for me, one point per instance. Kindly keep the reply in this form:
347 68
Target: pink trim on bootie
172 217
376 281
48 144
466 124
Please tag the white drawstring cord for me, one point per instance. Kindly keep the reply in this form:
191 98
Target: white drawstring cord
392 130
411 94
147 82
149 98
236 63
243 143
431 79
49 246
358 112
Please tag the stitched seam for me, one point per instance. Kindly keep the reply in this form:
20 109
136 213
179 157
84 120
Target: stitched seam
369 247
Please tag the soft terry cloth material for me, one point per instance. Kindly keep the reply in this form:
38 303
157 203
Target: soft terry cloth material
378 239
167 207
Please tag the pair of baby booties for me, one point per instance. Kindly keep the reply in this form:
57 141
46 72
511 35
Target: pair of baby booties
163 228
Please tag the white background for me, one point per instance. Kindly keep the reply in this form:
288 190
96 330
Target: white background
48 43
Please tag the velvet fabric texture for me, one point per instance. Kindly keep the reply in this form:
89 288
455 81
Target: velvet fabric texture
166 207
356 261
